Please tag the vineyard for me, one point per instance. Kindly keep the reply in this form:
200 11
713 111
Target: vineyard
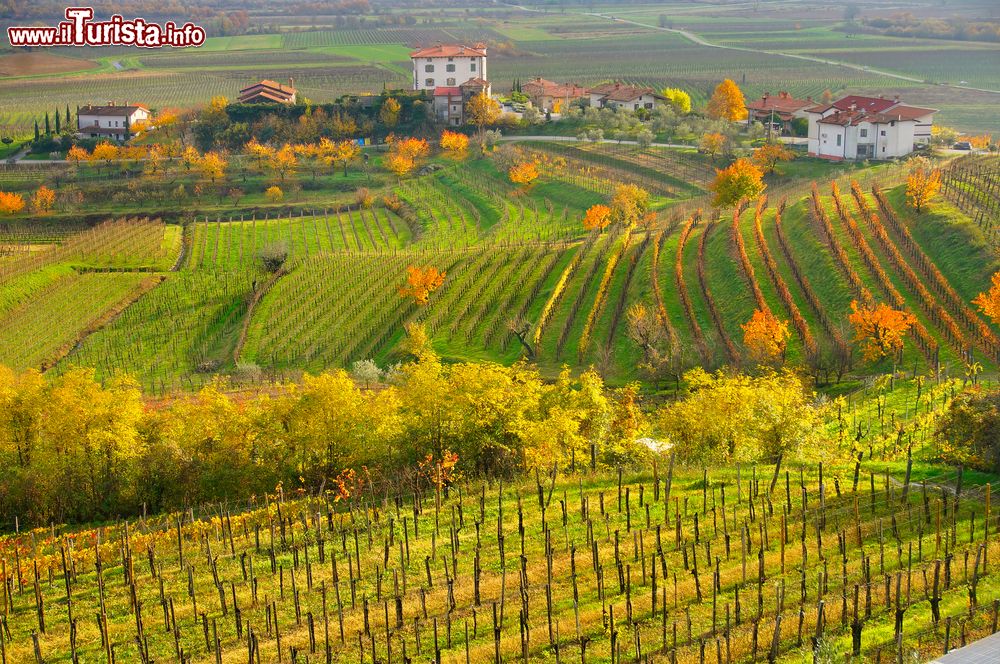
671 562
176 305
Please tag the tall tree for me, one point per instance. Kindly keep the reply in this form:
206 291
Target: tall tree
922 185
727 102
481 112
879 328
765 336
740 180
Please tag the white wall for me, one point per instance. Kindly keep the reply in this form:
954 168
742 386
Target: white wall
109 121
465 67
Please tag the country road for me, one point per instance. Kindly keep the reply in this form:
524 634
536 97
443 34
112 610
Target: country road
700 41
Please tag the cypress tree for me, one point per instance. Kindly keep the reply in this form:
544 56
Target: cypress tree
48 129
36 131
57 121
128 129
67 116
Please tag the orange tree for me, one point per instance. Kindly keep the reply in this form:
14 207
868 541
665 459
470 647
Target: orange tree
766 157
524 173
765 336
454 143
712 144
421 282
482 111
879 328
597 217
43 200
989 302
740 180
727 102
10 202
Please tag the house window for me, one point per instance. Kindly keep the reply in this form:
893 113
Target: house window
883 132
649 105
839 139
472 67
429 69
450 81
635 107
864 133
449 68
429 82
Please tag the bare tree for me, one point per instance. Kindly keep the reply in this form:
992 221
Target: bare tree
520 328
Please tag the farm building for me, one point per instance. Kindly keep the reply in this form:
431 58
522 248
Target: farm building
450 101
856 127
448 66
779 109
551 96
626 97
268 92
110 121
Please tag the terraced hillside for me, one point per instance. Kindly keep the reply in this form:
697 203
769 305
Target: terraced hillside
523 278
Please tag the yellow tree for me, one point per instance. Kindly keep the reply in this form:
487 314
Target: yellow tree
11 202
740 180
766 157
344 152
629 204
190 158
106 152
212 165
77 154
283 161
922 185
273 194
989 302
765 336
727 102
454 143
259 153
879 328
524 173
712 144
399 164
389 113
43 200
679 100
598 217
481 112
421 282
404 153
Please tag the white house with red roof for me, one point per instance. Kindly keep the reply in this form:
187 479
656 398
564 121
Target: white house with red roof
114 121
454 73
857 127
625 97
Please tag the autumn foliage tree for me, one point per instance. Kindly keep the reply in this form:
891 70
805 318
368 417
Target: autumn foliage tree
598 217
766 157
765 336
679 99
922 185
740 180
712 144
454 143
11 202
523 173
482 111
879 328
404 154
727 102
389 113
629 204
421 282
989 301
43 200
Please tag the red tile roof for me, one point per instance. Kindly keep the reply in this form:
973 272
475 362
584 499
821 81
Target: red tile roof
475 83
618 92
544 88
870 104
442 91
894 114
780 103
269 90
450 51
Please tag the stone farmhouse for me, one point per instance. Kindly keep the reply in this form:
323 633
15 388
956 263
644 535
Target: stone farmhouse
856 127
268 92
625 97
110 121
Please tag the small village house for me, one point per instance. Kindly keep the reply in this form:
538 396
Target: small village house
453 73
779 109
857 127
268 92
625 97
113 121
550 96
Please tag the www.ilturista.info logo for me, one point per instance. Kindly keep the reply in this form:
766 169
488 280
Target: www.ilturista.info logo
79 30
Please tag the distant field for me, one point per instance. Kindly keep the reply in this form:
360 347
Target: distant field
33 64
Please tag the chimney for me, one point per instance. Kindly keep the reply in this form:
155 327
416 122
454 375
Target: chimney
854 106
896 99
291 81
